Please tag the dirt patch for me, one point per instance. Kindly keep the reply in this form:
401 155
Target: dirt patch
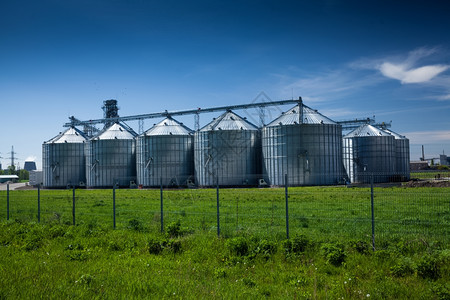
427 183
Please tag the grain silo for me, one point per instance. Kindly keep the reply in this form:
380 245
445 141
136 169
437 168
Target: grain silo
402 171
111 157
63 160
368 151
227 152
305 145
165 152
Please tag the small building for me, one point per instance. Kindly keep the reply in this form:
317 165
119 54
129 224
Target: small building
6 178
444 160
30 166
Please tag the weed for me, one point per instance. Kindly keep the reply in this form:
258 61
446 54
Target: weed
360 246
428 267
403 267
249 282
136 225
220 272
333 253
266 248
238 246
85 279
174 229
297 245
154 246
441 291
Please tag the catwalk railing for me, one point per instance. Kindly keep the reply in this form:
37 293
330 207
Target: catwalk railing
372 212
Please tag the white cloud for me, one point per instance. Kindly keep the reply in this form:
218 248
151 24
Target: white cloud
416 75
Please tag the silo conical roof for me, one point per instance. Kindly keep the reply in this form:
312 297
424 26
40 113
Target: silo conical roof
71 135
366 130
301 114
168 126
229 121
116 131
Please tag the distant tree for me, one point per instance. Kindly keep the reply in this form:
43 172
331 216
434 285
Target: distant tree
1 172
12 170
24 175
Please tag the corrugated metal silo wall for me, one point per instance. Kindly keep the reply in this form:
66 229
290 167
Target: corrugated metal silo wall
110 161
63 164
170 158
369 155
310 154
402 159
231 156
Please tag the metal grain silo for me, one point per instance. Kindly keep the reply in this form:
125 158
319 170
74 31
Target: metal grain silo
63 160
165 152
227 152
305 145
369 150
111 157
402 171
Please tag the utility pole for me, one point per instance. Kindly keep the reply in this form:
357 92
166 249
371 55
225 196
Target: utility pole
13 158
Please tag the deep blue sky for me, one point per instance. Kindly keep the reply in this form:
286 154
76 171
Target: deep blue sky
347 59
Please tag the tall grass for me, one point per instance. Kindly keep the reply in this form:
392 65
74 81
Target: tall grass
330 213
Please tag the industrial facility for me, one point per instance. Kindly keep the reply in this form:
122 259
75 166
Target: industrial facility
300 147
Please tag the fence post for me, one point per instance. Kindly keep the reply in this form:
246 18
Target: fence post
162 211
7 201
39 203
286 195
73 205
373 213
114 206
218 213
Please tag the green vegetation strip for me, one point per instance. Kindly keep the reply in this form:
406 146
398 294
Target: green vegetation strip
93 261
329 213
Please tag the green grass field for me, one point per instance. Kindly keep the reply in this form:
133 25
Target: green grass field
329 254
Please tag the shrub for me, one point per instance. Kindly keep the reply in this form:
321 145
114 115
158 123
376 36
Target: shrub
360 246
136 225
441 291
297 245
174 229
333 253
403 267
238 246
428 267
174 246
115 246
154 246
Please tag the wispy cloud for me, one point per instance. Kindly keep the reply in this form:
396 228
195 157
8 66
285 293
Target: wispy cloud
420 71
408 69
327 85
444 97
413 75
429 137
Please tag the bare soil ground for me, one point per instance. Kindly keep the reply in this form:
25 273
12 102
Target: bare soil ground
428 183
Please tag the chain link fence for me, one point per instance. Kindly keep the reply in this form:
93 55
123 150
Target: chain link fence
377 213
